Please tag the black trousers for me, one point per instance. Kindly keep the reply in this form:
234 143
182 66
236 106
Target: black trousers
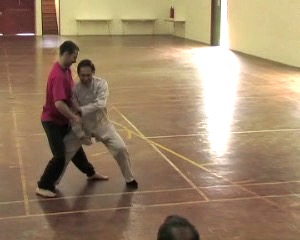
55 134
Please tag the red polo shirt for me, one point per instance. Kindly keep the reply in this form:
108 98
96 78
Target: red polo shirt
59 87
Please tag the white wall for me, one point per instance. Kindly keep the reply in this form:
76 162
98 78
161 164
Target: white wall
197 16
266 28
38 15
116 9
198 20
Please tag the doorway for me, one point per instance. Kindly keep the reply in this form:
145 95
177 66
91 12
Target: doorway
50 17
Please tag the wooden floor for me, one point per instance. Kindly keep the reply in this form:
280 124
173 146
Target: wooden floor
213 135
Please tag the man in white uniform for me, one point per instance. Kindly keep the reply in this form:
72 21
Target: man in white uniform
90 97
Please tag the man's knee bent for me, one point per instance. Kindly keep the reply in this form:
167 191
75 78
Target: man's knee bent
118 149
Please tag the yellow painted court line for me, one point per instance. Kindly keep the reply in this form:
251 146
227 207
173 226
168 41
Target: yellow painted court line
270 183
102 210
40 199
167 159
144 207
19 154
249 181
113 194
239 132
150 191
8 74
200 166
129 134
164 148
22 172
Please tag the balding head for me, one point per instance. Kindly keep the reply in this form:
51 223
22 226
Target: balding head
177 228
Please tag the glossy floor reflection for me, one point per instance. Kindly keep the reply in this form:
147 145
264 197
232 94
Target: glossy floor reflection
213 136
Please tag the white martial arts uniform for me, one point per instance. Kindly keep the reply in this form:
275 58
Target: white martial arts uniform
95 123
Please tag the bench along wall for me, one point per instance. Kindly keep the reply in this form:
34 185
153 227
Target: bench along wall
70 10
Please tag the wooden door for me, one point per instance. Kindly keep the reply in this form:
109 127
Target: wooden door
17 16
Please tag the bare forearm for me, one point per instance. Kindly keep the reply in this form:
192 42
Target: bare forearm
76 106
65 110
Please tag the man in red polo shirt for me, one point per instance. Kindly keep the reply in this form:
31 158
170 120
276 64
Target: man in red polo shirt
56 116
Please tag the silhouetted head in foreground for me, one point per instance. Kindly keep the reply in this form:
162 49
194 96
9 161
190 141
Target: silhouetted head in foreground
177 228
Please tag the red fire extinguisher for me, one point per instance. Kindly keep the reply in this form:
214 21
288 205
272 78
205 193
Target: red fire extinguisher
172 12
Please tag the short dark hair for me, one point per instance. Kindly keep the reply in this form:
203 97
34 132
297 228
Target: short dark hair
172 222
69 47
86 63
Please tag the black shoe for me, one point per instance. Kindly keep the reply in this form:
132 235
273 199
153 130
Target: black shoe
133 184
